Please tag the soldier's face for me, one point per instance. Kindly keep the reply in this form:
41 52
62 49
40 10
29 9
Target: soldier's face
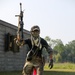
35 33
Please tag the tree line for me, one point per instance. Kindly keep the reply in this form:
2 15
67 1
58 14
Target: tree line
61 52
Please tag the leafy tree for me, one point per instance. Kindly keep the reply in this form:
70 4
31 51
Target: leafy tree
70 51
48 39
57 46
61 52
58 50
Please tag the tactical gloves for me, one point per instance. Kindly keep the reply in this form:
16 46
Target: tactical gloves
50 64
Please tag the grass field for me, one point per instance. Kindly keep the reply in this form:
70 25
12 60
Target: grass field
45 73
58 69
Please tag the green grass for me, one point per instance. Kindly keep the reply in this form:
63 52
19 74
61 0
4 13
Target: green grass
58 73
58 69
65 66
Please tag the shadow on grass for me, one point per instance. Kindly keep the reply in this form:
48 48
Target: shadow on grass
58 73
45 73
11 73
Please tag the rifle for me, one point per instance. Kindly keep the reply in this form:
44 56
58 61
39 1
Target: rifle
20 24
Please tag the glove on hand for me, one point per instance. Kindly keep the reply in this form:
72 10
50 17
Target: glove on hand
50 64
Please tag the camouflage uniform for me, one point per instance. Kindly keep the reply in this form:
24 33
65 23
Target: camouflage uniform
36 45
37 61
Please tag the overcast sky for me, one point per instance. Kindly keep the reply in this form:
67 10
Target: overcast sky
56 18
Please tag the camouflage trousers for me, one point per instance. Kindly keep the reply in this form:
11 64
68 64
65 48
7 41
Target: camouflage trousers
38 63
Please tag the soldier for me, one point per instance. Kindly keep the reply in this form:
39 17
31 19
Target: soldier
34 56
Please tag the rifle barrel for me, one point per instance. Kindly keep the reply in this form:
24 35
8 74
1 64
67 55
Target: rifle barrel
20 7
